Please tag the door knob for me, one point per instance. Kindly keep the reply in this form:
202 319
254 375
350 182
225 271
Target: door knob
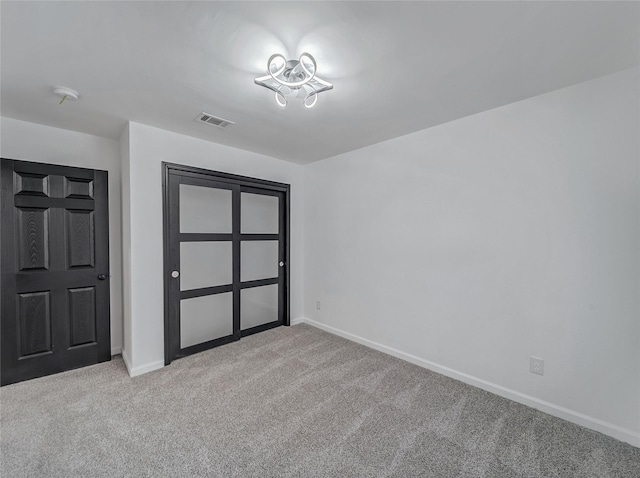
175 274
281 264
102 277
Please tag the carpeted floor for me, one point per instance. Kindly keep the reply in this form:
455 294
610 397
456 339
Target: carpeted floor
290 402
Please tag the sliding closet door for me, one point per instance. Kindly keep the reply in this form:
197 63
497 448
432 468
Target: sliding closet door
225 258
202 267
261 250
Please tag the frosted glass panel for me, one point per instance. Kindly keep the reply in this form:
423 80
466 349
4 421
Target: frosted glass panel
258 260
205 209
205 264
205 318
258 214
258 305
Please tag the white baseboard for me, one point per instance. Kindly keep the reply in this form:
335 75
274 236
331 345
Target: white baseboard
150 367
615 431
116 350
146 368
141 369
127 362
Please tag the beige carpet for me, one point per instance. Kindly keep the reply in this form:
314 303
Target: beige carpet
290 402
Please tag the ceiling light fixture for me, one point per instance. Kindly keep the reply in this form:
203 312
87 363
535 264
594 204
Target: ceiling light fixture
65 93
293 77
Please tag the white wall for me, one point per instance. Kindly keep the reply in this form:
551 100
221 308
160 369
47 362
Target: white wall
475 244
44 144
126 246
148 148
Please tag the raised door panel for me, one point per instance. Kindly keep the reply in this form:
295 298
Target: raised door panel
33 238
82 316
80 237
80 188
34 323
32 184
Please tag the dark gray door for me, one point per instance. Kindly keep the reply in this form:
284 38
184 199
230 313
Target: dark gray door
225 258
55 269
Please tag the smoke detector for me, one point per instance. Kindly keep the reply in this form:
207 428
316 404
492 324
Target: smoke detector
65 94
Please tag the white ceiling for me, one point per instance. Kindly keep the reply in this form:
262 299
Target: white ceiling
397 67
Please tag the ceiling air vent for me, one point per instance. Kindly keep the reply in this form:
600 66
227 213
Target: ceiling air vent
214 120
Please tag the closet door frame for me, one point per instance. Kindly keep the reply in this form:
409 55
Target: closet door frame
243 182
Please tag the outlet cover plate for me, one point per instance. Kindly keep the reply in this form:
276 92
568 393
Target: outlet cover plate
536 365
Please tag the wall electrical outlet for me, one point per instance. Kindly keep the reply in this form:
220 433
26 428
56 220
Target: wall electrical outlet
318 304
536 365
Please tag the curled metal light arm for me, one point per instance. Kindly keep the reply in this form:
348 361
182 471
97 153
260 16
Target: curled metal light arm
270 62
280 98
314 99
328 85
310 74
